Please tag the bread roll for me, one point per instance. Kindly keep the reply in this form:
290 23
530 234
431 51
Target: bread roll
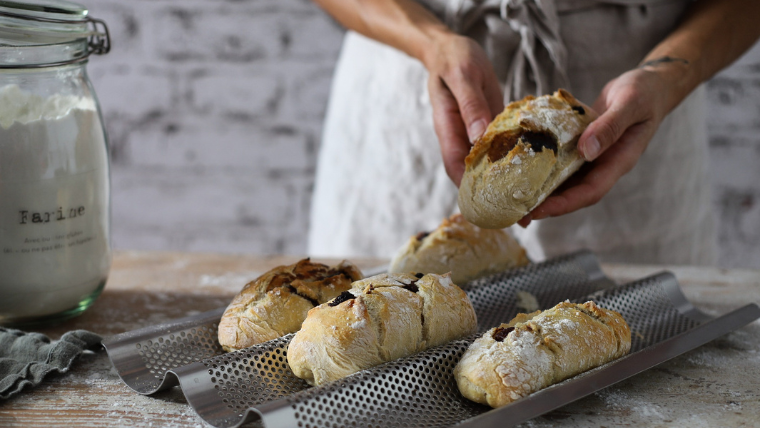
526 152
380 319
536 350
460 247
276 303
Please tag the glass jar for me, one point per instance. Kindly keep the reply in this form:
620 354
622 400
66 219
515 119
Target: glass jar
54 170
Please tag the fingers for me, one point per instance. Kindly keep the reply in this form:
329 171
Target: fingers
465 95
450 129
494 96
474 108
631 108
475 97
461 113
602 133
587 189
525 221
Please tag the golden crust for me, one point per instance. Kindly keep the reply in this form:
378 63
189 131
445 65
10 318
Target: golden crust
526 152
537 350
383 318
447 311
277 302
460 247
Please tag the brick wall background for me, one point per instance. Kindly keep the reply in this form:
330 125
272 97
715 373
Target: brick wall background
205 100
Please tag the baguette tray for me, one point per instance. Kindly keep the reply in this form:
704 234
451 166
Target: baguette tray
255 386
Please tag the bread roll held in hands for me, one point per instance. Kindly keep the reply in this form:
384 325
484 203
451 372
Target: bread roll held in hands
460 247
536 350
276 303
380 319
526 152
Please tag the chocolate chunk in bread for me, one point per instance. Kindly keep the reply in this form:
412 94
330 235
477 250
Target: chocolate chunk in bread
501 333
344 296
411 287
540 140
276 303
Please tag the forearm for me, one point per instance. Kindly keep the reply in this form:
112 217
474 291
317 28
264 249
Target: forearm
404 24
713 35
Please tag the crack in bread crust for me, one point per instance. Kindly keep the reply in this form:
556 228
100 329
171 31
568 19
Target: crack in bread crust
276 303
391 316
460 247
538 140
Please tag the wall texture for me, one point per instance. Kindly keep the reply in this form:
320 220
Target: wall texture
214 112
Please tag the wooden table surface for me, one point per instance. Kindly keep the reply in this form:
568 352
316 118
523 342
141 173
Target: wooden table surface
715 385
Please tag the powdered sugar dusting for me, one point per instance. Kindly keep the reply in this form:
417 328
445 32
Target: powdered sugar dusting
524 378
445 281
557 117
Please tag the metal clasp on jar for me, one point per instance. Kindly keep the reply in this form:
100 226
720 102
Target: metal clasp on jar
98 43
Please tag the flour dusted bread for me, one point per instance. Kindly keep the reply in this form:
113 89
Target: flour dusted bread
536 350
276 303
380 319
526 152
460 247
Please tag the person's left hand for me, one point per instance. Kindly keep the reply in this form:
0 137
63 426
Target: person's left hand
631 108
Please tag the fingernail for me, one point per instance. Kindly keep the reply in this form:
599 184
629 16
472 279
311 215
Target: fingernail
538 214
477 129
591 149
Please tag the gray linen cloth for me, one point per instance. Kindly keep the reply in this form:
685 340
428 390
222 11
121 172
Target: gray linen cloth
26 358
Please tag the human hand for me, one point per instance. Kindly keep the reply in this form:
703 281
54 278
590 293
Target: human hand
465 96
631 109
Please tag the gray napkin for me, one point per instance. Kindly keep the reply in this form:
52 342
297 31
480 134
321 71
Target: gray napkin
26 358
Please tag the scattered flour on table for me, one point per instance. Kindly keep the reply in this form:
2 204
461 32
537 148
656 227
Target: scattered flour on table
620 400
234 282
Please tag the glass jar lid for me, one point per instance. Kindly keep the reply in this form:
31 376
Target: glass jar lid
51 9
28 23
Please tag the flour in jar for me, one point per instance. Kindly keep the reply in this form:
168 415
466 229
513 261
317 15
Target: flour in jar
54 199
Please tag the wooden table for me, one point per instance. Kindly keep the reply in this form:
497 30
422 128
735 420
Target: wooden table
715 385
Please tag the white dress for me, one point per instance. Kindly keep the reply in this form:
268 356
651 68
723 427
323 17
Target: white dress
380 177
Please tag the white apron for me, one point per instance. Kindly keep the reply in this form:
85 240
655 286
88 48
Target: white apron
380 177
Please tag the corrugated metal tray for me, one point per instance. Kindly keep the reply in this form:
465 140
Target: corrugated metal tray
256 386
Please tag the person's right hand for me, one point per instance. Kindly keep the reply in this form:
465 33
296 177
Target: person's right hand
465 96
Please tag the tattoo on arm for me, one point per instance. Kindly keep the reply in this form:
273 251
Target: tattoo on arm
663 60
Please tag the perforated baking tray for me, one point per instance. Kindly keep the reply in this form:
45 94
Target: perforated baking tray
256 386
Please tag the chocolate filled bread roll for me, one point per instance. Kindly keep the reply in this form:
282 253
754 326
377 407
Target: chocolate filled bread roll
382 318
460 247
276 303
526 152
539 349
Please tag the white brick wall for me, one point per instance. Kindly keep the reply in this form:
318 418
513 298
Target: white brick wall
734 122
214 111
